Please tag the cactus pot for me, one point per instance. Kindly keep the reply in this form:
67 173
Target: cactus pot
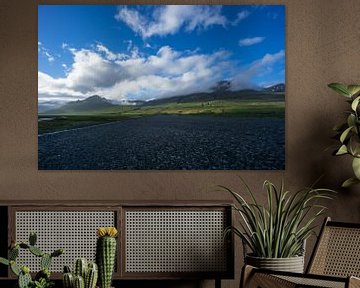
291 264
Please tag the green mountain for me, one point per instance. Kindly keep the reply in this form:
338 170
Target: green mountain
92 103
246 94
96 104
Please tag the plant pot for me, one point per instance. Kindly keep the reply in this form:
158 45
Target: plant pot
291 264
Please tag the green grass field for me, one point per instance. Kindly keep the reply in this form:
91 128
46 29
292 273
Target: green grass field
231 108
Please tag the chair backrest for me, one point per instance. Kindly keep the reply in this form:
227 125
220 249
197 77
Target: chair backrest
337 251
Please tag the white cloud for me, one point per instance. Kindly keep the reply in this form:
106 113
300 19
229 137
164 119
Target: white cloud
260 67
251 41
108 54
137 77
169 19
45 52
241 16
98 71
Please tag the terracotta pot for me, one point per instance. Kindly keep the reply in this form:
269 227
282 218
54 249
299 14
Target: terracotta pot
291 264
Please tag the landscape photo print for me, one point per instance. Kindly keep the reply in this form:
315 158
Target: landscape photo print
161 87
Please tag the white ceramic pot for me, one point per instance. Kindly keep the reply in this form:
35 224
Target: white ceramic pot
291 264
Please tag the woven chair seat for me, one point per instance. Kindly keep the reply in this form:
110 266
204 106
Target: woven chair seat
335 262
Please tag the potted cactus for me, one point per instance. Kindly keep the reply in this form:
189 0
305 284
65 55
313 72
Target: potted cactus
42 278
106 254
85 275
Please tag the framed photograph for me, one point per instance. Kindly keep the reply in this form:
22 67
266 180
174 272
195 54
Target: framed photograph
161 87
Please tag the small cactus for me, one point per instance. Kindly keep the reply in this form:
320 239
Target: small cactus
24 278
32 239
80 268
45 261
90 272
44 273
36 251
13 253
14 268
57 252
68 280
91 276
79 282
106 254
24 246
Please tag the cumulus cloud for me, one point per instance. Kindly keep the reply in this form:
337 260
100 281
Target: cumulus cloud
45 52
170 19
242 15
139 77
257 68
101 71
251 41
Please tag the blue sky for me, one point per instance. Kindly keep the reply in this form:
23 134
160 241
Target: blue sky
145 52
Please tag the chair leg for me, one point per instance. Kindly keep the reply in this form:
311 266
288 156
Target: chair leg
250 278
246 274
354 282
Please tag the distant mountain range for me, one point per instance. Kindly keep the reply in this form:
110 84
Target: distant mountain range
92 103
96 103
245 94
276 88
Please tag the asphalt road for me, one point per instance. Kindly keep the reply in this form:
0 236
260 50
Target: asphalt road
168 143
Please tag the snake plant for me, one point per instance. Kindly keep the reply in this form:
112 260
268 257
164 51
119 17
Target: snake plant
349 131
279 228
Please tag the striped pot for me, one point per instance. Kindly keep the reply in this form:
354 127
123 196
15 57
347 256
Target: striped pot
291 264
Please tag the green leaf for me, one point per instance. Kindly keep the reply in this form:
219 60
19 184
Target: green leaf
355 103
4 261
36 251
349 182
340 88
353 89
356 167
13 253
342 150
14 268
345 134
351 120
354 144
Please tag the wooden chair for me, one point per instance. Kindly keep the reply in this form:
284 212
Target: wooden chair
335 262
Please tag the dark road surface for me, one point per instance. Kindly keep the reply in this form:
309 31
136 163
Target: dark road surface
168 143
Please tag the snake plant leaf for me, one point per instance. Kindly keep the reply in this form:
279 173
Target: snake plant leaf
279 228
342 150
355 103
349 182
356 167
345 134
353 89
340 88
